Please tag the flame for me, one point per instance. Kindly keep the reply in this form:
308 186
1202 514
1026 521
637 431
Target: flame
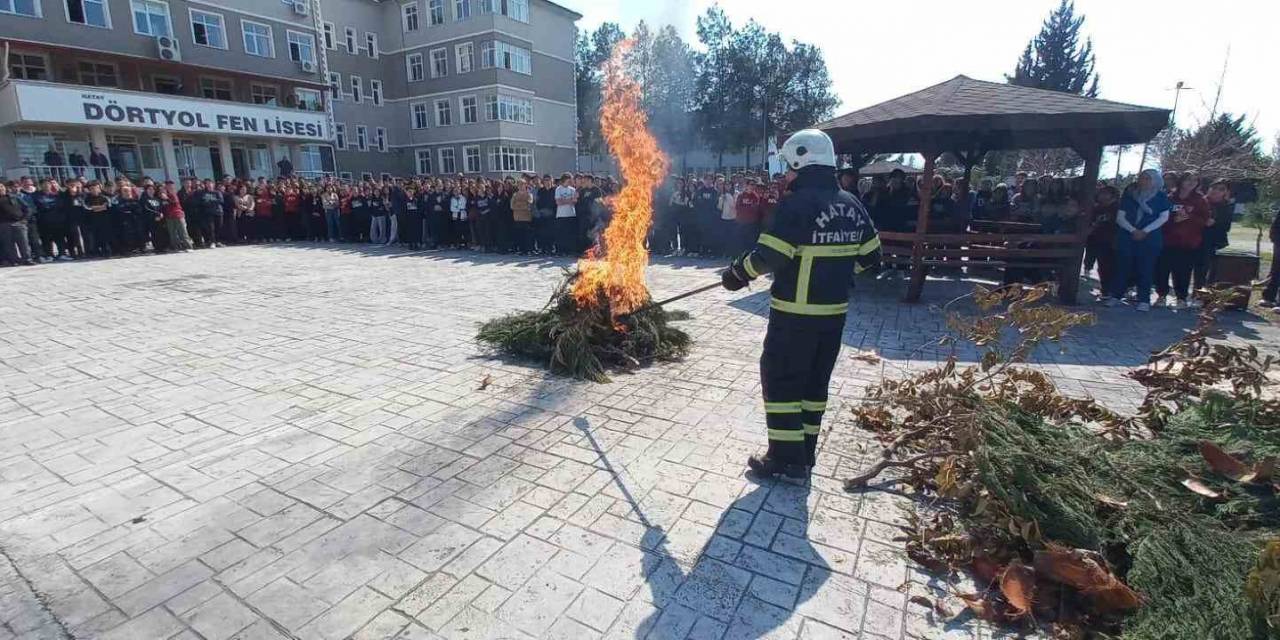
614 269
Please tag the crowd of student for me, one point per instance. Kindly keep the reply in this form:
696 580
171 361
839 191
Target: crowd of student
1156 232
82 218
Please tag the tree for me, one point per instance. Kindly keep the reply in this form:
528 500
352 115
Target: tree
714 85
670 95
590 51
1225 147
1055 59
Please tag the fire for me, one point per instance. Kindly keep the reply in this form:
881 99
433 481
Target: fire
615 268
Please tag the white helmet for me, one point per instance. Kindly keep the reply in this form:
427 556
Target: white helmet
806 148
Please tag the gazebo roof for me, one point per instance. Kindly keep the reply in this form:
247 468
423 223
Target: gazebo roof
964 114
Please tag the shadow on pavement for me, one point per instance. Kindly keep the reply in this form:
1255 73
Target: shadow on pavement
719 581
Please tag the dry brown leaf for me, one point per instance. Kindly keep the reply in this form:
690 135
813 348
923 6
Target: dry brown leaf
982 608
1018 584
485 382
1201 488
1221 462
1088 573
985 570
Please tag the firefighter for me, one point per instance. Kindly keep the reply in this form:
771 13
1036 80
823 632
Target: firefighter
819 236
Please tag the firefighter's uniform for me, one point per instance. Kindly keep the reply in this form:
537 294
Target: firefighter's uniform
819 237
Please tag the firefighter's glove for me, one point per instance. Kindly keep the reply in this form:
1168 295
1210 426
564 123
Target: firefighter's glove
735 277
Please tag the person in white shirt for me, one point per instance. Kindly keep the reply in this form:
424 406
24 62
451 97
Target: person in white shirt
566 217
458 216
728 206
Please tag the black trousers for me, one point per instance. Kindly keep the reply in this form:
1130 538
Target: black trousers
795 372
1273 283
1176 264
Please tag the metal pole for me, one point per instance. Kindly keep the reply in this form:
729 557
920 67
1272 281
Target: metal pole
655 305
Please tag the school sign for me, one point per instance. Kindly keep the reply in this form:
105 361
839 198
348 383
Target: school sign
49 103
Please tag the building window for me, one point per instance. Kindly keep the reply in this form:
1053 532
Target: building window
29 8
362 137
436 9
409 16
168 85
508 109
302 46
447 162
444 113
350 34
264 94
380 135
461 9
345 175
466 57
28 66
307 99
151 18
419 118
366 176
340 135
514 9
335 86
423 157
216 88
413 67
509 159
330 36
439 63
375 92
208 30
470 109
357 92
98 74
507 56
471 160
371 44
87 12
257 39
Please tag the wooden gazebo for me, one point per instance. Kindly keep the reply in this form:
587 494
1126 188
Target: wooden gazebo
968 118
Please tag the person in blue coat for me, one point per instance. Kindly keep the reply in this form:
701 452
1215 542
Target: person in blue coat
1143 214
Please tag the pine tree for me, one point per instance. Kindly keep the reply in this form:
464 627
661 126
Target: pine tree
1055 59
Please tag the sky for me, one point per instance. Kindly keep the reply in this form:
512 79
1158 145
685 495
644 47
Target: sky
874 49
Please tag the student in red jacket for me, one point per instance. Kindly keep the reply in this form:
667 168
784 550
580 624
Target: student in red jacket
1182 239
748 214
175 219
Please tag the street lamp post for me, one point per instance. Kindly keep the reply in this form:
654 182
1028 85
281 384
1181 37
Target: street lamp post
1173 117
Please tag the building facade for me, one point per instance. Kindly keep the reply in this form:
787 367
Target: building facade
205 88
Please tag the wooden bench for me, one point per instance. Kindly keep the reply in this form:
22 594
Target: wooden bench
922 252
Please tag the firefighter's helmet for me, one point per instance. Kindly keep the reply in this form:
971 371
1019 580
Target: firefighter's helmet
807 148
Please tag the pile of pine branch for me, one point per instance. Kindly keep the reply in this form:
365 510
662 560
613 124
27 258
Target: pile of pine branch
587 342
1070 516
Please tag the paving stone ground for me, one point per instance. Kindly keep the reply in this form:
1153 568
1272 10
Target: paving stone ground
294 442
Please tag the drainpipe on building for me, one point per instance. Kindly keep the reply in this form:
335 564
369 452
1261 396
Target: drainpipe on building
330 119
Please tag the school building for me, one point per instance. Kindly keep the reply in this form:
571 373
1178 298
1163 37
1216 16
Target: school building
206 88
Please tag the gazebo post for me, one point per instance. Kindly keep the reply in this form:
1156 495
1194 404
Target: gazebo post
1069 281
925 193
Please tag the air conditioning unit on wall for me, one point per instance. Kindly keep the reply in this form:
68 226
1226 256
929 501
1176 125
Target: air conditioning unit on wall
167 49
302 7
307 66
